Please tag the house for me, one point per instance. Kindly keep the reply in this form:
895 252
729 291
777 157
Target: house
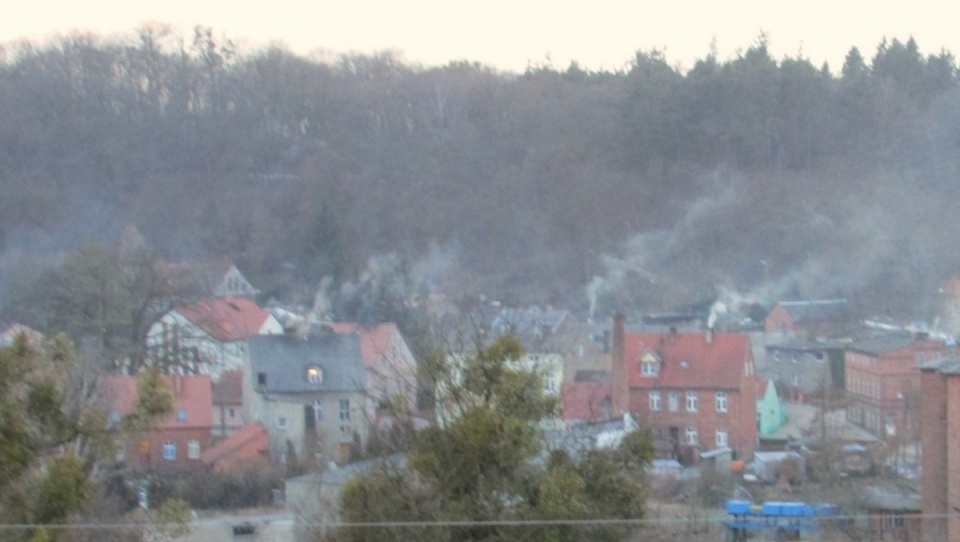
771 413
214 278
808 319
801 368
208 336
549 336
391 367
940 440
314 499
883 383
321 395
894 515
176 441
696 391
591 435
228 403
588 397
245 449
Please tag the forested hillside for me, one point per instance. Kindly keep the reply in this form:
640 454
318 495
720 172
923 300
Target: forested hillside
648 187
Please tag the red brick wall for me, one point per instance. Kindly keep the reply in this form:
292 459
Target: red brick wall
153 441
739 420
933 435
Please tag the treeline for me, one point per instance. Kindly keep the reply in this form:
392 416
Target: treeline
737 172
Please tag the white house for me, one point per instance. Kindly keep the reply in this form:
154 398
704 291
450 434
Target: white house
208 336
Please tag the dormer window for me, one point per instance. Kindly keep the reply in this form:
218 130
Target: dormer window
314 375
649 364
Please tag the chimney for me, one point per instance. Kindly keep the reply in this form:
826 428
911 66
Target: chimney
708 335
618 368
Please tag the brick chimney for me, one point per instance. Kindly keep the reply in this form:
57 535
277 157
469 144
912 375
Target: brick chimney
620 387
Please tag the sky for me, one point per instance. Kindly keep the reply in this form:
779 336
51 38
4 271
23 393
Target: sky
512 35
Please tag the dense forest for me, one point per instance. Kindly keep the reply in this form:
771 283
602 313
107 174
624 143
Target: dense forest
642 189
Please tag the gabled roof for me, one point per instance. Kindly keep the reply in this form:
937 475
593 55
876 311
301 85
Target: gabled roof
689 360
532 324
284 359
250 441
228 390
374 341
191 394
226 318
817 309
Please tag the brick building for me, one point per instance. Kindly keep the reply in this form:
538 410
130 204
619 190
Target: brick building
696 391
808 318
176 441
883 383
940 438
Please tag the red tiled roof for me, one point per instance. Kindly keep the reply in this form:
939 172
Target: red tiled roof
226 319
229 389
374 341
250 441
194 399
689 360
584 400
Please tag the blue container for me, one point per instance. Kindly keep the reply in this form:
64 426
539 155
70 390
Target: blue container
772 508
738 507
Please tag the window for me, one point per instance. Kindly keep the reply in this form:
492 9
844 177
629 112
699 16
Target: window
317 411
345 429
115 417
691 401
691 435
649 368
193 449
893 520
169 450
654 400
344 409
549 382
314 375
282 422
673 401
721 438
721 401
231 413
181 414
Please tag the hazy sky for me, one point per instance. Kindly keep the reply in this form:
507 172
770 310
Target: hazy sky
509 35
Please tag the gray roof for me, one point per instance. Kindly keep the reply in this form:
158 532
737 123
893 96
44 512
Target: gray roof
820 309
284 360
946 365
886 343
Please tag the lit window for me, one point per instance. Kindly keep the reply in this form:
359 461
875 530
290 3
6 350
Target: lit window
721 438
193 449
181 415
169 450
691 435
673 401
344 409
314 374
721 401
654 400
691 401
